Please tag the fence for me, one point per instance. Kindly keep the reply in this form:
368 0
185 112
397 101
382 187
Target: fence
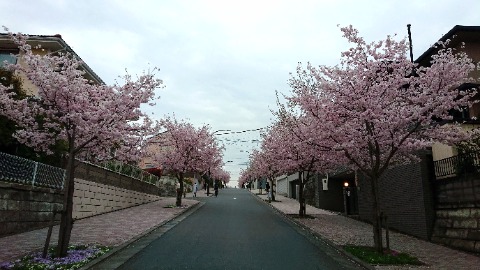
128 170
457 165
21 170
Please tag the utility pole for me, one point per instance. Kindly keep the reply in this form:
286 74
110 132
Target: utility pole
410 42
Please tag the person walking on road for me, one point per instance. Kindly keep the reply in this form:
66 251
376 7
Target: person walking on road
215 187
267 189
195 187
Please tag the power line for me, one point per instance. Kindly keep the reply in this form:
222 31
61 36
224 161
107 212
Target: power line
227 131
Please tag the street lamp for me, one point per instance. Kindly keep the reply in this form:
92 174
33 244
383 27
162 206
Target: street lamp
346 197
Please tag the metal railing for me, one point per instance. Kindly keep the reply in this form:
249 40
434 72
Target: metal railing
21 170
126 170
131 171
25 171
457 165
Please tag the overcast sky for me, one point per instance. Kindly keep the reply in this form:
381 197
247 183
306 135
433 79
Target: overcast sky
222 61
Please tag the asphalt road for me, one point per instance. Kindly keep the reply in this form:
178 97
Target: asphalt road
235 231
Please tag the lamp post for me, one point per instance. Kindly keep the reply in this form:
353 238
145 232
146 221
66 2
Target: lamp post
346 195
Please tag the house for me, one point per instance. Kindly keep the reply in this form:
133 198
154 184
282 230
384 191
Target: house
41 44
154 144
429 199
27 204
465 39
456 175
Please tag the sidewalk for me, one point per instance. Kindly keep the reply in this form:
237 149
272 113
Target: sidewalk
340 230
111 229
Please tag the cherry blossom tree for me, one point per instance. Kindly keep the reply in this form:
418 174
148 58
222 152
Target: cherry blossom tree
293 141
187 150
88 118
263 164
377 108
245 177
219 174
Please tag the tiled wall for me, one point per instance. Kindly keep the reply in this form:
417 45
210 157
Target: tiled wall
91 198
405 196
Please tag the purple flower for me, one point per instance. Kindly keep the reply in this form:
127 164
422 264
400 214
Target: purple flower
7 265
76 257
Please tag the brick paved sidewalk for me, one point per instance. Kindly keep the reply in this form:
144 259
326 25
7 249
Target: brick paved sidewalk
111 229
340 231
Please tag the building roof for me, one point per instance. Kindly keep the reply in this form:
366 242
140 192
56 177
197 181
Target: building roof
52 42
462 34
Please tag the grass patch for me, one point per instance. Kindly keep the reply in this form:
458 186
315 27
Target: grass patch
77 256
388 257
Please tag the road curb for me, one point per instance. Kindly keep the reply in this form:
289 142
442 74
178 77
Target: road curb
182 215
318 236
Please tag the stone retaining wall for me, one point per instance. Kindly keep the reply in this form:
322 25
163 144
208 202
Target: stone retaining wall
458 212
24 208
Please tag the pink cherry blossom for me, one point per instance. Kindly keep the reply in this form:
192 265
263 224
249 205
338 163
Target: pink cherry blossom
376 108
187 150
92 120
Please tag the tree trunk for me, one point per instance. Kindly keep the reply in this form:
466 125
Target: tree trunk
66 222
180 190
272 191
376 222
208 183
301 199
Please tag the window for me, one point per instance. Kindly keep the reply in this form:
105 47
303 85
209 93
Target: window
6 55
